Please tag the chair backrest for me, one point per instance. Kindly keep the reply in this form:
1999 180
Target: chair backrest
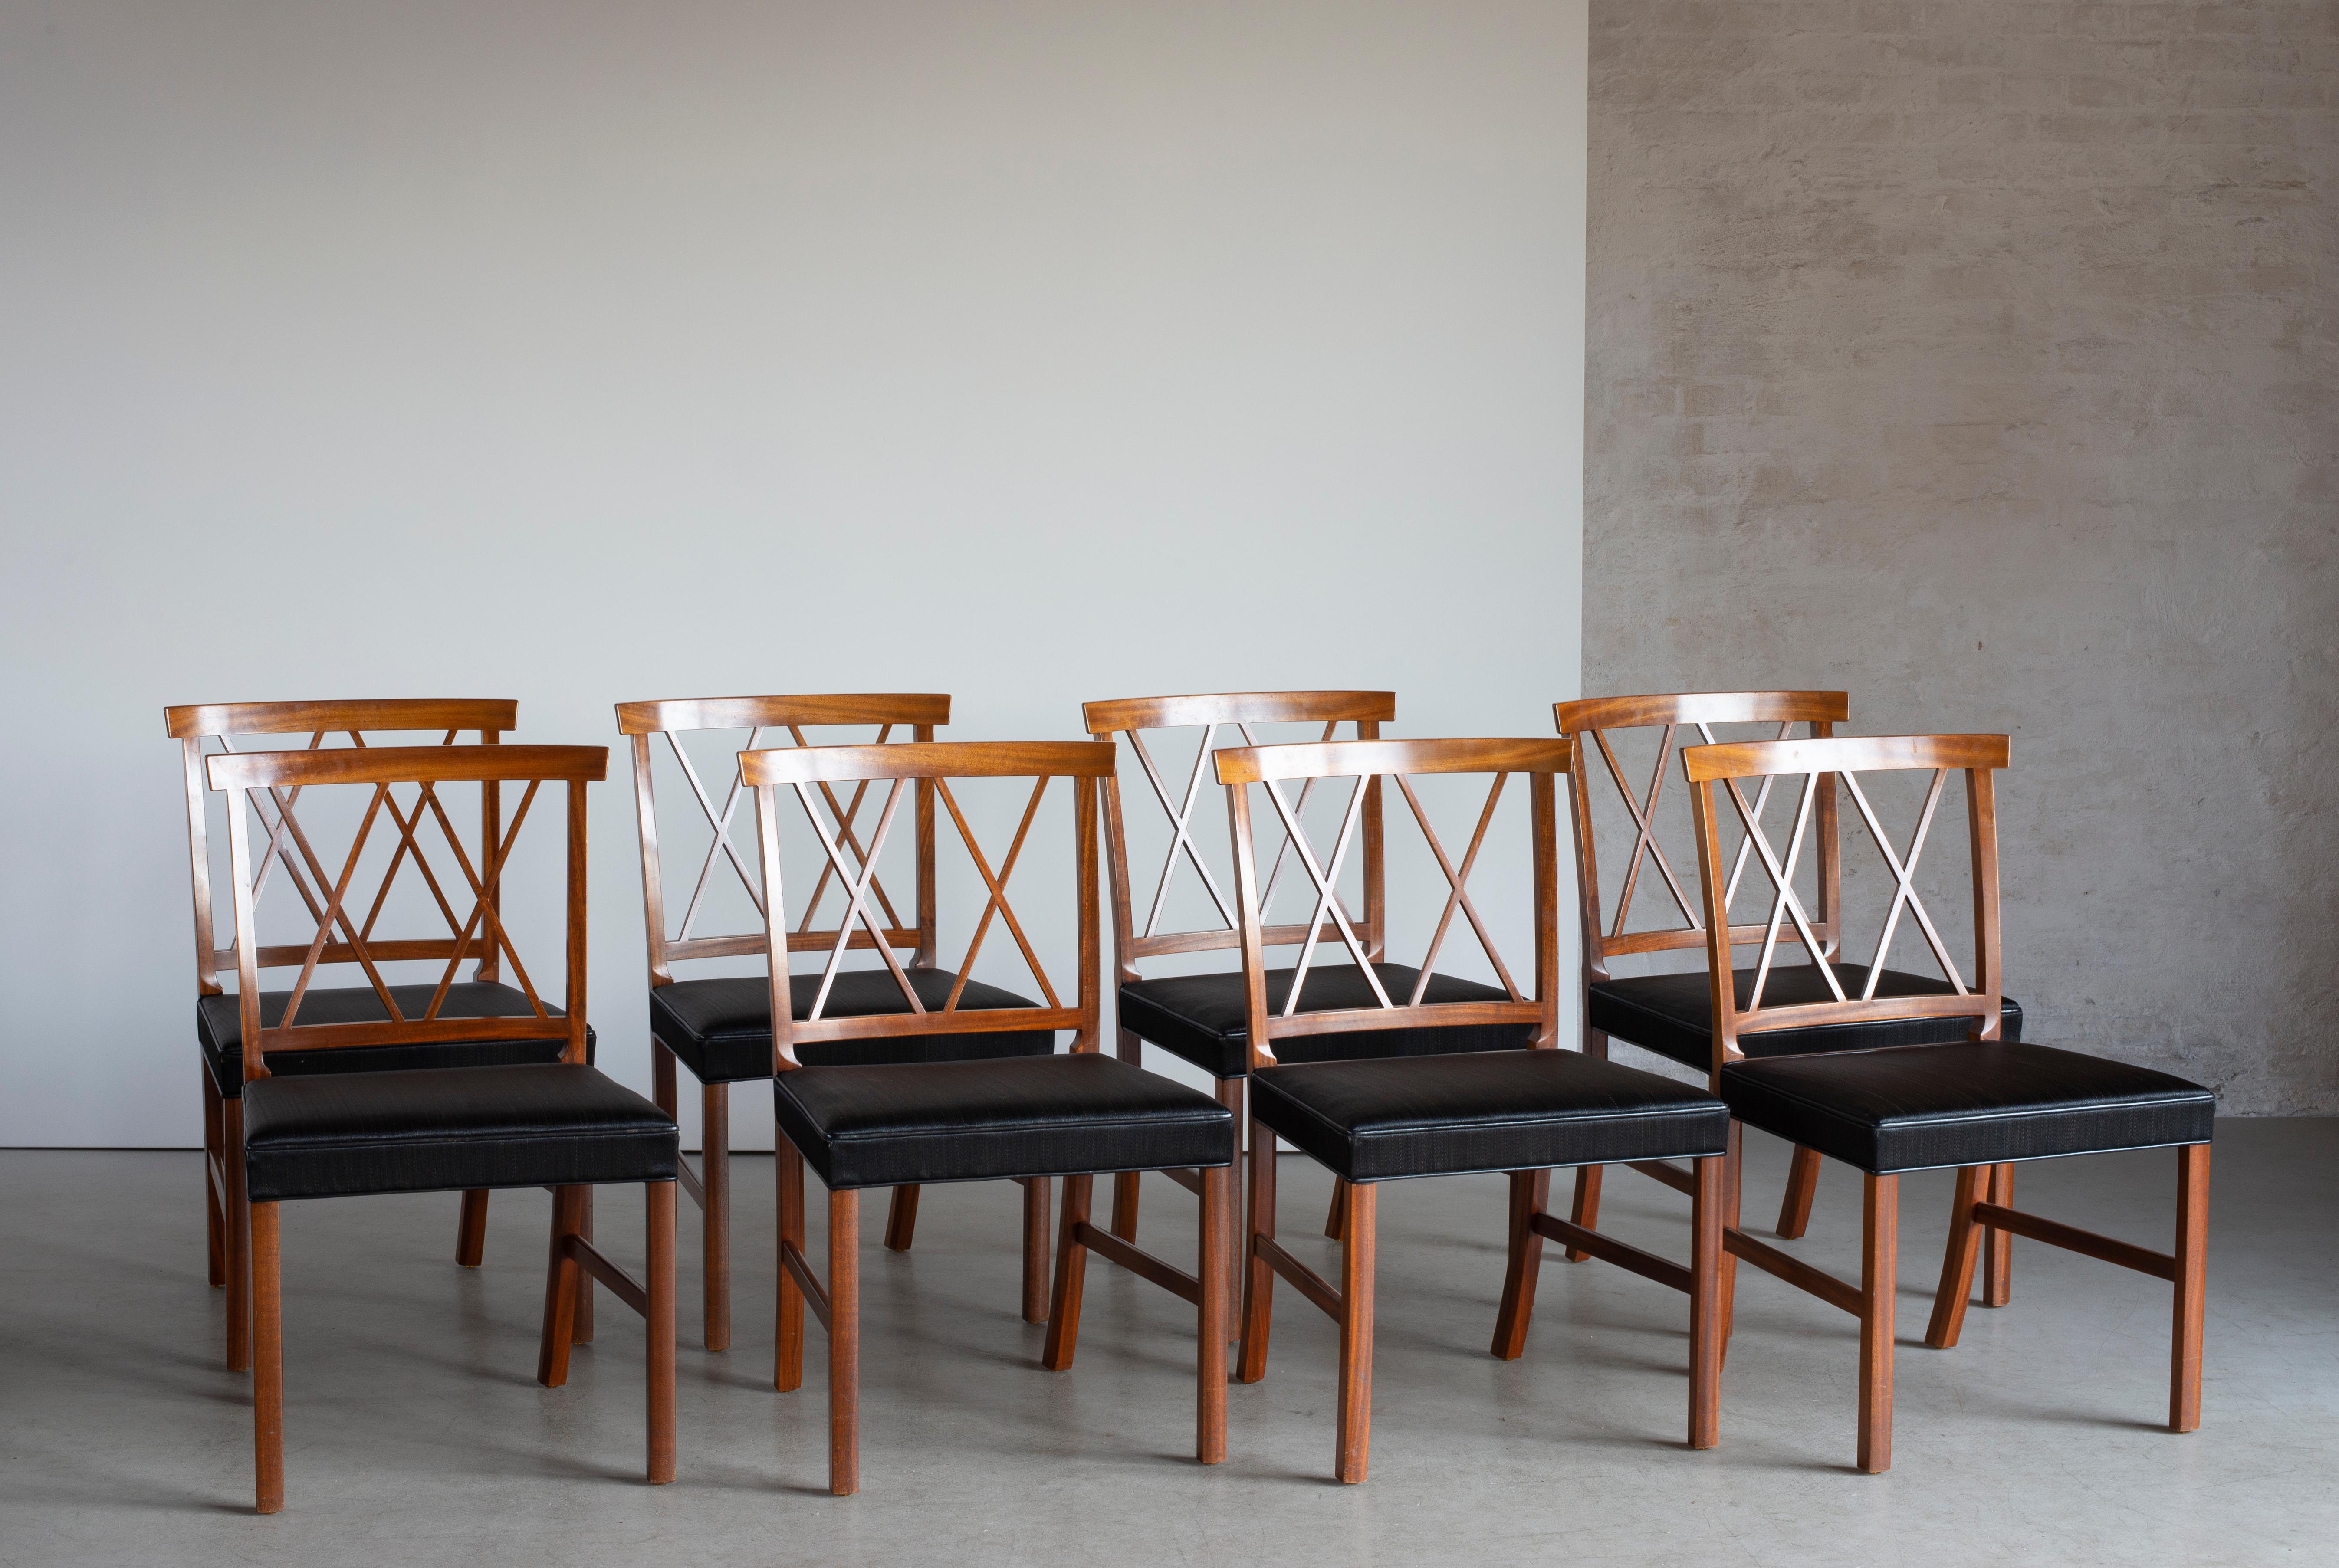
1367 762
199 727
1587 726
918 711
929 767
1828 760
1132 717
285 775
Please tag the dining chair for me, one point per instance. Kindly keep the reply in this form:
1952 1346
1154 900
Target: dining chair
1979 1105
1201 1018
209 729
1668 1014
1387 1118
864 1124
558 1124
719 1027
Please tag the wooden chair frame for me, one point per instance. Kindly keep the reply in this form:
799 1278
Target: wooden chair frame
220 724
1131 717
573 1258
836 1305
1983 1207
1350 1303
921 713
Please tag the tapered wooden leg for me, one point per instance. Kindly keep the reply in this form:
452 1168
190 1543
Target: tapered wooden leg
214 1201
471 1228
662 1091
1336 1219
268 1362
1957 1260
1072 1277
787 1367
1037 1190
1258 1277
1229 1092
2192 1277
1530 1191
1585 1209
902 1218
714 1173
560 1288
1210 1350
1131 1049
1356 1430
1998 1252
1733 1168
580 1328
1880 1253
659 1326
1705 1305
239 1246
1802 1184
844 1343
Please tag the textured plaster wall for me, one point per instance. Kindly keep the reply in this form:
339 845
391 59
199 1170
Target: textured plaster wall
1978 358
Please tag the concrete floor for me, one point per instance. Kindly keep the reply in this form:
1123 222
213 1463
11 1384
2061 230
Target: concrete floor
415 1432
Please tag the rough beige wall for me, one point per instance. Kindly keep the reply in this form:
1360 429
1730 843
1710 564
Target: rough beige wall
1978 358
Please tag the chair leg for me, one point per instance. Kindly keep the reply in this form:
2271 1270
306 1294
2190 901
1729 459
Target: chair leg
2192 1275
1037 1190
560 1288
268 1362
580 1329
844 1343
1131 1049
1802 1184
1732 1169
658 1323
1705 1306
902 1218
1258 1279
1356 1430
715 1178
1957 1260
1530 1191
1336 1219
214 1201
1072 1277
1997 1254
239 1246
788 1176
1210 1341
1879 1254
471 1228
1585 1209
1230 1093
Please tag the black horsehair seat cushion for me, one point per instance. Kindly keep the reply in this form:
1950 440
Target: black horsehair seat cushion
1375 1120
428 1130
1982 1102
888 1124
721 1029
1200 1017
1673 1015
218 1029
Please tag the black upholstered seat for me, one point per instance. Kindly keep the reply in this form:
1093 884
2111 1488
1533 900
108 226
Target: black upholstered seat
1375 1120
218 1030
893 1123
426 1129
722 1027
1673 1014
1201 1018
1983 1102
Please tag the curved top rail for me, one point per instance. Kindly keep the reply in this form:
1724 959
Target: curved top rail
650 717
370 713
407 764
1237 708
1850 754
1700 708
927 760
1342 759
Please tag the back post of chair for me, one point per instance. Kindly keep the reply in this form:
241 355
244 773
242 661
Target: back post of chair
641 722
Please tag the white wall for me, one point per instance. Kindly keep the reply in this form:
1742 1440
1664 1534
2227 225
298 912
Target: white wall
1032 352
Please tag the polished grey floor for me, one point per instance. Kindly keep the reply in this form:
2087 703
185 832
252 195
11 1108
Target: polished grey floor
416 1434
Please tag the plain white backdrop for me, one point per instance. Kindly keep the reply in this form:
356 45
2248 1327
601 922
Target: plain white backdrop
1031 352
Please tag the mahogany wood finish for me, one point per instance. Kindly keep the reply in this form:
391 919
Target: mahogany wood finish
573 1261
1088 768
643 723
1983 1220
206 729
